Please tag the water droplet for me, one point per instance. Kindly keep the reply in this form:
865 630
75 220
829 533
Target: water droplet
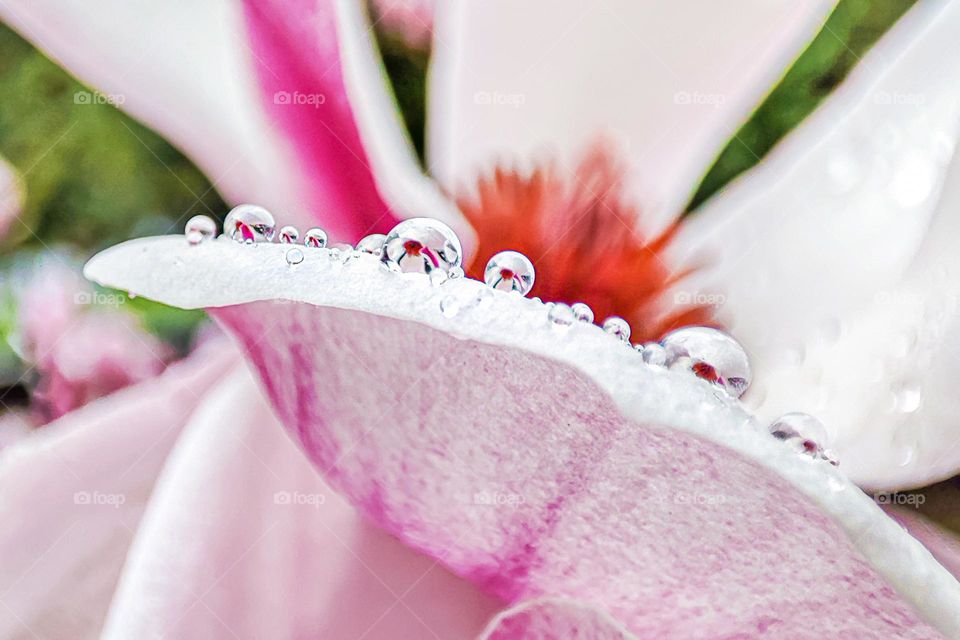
249 223
289 235
561 315
655 354
804 433
618 327
510 271
908 396
455 272
335 254
420 245
294 256
372 244
582 311
450 305
437 277
200 228
315 237
710 354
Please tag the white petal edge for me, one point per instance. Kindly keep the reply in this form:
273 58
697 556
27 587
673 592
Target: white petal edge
537 82
184 68
808 252
11 196
164 269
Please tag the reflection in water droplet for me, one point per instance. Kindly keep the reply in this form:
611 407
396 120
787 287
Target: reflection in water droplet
805 434
710 354
510 271
315 237
617 327
582 311
372 244
294 256
420 245
249 223
561 315
289 234
200 228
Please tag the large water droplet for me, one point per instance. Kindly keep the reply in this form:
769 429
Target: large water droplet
420 245
583 311
372 244
315 237
200 228
510 271
289 234
249 223
561 315
710 354
617 327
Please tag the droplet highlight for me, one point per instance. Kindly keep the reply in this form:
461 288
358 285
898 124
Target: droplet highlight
200 228
710 354
420 245
249 223
315 238
510 271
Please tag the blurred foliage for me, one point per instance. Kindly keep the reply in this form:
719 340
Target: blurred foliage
849 32
406 68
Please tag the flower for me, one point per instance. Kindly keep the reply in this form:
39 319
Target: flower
553 437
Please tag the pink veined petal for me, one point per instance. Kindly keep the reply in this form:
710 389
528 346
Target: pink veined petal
184 68
11 194
73 491
539 82
538 462
548 619
835 263
244 539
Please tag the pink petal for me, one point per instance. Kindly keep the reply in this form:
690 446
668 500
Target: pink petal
944 545
539 82
72 493
242 537
834 260
547 619
538 462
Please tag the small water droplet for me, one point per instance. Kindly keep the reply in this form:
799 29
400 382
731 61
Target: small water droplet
372 244
316 238
294 256
249 223
437 277
908 396
803 432
450 305
200 228
617 327
420 245
335 254
655 354
561 315
710 354
510 271
582 311
455 272
289 234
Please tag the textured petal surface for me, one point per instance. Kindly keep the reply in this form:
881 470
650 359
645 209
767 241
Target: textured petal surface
527 83
72 494
243 539
538 462
547 619
832 262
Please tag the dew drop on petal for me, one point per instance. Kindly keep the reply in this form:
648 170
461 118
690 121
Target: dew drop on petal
437 277
289 235
455 272
510 271
561 315
802 431
908 397
315 237
617 327
249 223
655 354
294 257
710 354
450 305
582 311
420 245
372 244
200 228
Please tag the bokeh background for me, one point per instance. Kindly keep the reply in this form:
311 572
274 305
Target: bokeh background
86 176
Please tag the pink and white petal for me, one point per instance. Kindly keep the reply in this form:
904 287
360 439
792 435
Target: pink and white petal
11 196
531 83
72 493
182 67
244 539
544 462
547 619
831 259
944 545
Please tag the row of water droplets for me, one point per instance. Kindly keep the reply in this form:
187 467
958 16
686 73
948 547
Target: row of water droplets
423 245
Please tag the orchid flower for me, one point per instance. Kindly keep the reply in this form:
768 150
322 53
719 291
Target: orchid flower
544 481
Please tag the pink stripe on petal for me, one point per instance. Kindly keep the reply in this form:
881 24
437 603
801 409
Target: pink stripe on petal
298 63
